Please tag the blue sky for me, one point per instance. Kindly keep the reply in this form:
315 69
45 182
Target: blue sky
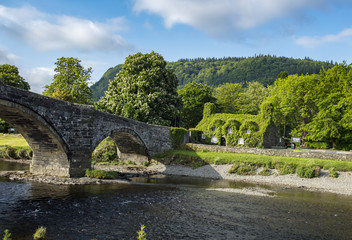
34 33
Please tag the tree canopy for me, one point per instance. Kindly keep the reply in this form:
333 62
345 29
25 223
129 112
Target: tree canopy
194 96
143 90
316 107
70 82
10 76
217 71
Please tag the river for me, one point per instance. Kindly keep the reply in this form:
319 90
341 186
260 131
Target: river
171 208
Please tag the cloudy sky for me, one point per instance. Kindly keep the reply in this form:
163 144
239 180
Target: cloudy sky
34 33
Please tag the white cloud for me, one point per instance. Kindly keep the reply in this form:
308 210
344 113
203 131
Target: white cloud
38 77
51 32
7 57
316 41
223 17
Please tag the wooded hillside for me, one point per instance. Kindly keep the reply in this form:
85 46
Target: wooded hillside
213 71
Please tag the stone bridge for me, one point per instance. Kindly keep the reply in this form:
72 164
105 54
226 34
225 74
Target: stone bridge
63 135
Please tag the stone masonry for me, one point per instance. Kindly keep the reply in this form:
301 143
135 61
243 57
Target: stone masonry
63 135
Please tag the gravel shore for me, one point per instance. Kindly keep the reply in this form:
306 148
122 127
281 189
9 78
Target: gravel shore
323 183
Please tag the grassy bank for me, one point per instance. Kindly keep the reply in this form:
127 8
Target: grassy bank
14 146
285 165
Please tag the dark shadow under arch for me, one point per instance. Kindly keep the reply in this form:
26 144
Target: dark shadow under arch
50 153
130 146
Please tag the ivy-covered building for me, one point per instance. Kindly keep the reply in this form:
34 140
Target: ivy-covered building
237 130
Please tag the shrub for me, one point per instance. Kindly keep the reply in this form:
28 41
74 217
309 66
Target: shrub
7 235
333 173
39 233
286 169
101 174
308 171
242 168
105 151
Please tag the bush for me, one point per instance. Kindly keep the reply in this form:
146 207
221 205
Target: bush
308 171
333 173
242 168
286 168
39 233
105 151
101 174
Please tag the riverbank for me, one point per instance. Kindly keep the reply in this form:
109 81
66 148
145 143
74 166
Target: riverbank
323 183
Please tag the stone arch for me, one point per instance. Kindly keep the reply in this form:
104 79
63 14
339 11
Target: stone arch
51 156
130 146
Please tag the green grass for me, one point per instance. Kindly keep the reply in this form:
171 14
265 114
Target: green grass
258 160
13 140
101 174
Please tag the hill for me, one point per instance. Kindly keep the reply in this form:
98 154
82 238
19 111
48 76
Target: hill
214 71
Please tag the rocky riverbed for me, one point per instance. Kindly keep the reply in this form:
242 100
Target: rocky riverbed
323 183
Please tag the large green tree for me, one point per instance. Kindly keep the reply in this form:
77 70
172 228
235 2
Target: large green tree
10 76
194 96
143 90
70 82
316 107
228 97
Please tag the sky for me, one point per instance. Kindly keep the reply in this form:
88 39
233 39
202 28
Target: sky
35 33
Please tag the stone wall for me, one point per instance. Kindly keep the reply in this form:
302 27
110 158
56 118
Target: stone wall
331 155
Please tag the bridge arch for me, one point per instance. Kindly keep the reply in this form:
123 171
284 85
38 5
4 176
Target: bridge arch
51 156
129 145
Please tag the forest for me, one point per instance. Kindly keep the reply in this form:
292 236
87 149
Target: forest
216 71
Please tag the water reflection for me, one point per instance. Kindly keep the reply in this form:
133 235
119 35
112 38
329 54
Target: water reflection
171 208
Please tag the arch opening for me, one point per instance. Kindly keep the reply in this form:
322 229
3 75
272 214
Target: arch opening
129 146
50 153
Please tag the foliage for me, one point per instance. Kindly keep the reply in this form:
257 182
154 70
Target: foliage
10 76
287 168
177 136
99 88
262 68
315 107
194 96
308 171
258 160
70 82
143 90
228 97
214 71
7 235
40 234
142 234
101 174
243 168
209 109
333 173
105 151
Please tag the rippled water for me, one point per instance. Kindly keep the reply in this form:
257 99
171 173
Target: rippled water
172 208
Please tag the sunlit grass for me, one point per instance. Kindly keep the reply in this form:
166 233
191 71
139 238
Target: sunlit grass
259 160
13 140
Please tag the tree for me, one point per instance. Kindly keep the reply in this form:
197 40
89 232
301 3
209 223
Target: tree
194 96
10 76
143 90
228 97
70 82
252 97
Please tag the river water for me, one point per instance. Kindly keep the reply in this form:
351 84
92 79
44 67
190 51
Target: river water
171 208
